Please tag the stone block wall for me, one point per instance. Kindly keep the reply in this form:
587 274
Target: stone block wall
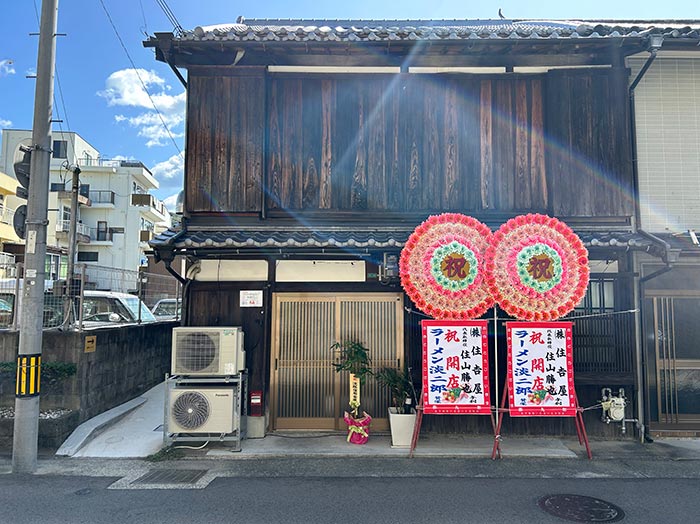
126 362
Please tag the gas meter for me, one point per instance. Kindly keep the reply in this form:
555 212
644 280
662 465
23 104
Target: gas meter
613 407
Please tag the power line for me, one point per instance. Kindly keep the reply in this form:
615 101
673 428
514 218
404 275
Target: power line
171 16
144 29
143 84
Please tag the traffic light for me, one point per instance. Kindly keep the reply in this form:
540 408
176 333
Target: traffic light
23 159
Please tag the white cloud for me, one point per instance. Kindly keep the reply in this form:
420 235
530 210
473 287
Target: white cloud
170 169
5 123
6 67
125 88
171 202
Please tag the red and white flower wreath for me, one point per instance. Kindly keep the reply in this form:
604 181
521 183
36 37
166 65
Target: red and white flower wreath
537 268
442 267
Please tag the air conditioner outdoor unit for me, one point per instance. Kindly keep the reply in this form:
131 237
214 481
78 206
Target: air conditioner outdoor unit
207 351
201 410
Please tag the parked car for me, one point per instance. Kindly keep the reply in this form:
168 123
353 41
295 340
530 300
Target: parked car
53 309
5 313
111 307
100 308
167 309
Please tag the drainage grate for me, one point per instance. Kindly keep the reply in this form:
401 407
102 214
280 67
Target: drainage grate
578 508
171 476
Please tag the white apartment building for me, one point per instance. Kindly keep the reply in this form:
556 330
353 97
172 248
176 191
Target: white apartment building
116 214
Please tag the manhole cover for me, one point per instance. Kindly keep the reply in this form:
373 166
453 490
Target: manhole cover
171 476
579 508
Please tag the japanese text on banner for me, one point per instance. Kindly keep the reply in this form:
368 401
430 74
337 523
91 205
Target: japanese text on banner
455 367
540 368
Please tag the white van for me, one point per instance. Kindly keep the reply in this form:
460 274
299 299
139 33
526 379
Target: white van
100 308
112 307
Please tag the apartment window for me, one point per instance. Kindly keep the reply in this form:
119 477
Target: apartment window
102 230
55 267
147 225
87 256
60 149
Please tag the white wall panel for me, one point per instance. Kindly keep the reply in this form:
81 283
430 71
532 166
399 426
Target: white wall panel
667 102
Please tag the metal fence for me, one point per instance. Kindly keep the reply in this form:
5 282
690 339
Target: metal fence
96 296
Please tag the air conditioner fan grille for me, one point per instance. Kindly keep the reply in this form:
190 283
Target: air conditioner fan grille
191 410
197 353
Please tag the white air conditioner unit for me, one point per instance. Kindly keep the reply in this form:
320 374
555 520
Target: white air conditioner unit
207 351
201 410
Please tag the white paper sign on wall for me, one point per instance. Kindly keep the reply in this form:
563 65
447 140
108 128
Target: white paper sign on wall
252 298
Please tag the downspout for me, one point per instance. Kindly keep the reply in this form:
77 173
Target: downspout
655 43
184 281
169 269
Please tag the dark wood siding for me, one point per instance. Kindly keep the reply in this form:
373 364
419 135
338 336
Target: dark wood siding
225 131
332 143
409 143
218 304
588 151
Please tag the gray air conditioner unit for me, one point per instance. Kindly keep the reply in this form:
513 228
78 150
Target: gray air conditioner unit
201 410
207 351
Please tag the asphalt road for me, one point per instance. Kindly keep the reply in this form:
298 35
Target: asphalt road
64 499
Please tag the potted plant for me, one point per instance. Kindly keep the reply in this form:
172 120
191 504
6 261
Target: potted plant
354 358
402 415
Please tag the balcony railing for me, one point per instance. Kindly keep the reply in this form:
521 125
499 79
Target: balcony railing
108 162
102 197
6 259
146 199
7 215
63 226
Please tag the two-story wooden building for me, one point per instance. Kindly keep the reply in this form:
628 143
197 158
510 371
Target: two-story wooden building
314 148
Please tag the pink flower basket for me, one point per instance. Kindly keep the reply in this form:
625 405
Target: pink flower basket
358 428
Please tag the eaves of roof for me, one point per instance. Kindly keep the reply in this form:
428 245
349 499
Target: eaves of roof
252 239
271 30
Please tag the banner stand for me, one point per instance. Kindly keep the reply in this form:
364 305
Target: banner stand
416 427
578 420
419 421
455 371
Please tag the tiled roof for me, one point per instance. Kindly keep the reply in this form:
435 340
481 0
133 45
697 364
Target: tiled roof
268 30
343 238
681 241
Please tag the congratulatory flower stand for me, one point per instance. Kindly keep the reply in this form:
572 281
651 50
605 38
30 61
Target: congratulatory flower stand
353 357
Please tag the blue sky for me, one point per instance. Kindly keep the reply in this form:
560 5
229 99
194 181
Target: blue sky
102 99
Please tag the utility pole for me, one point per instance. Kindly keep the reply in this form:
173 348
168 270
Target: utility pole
26 429
72 243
